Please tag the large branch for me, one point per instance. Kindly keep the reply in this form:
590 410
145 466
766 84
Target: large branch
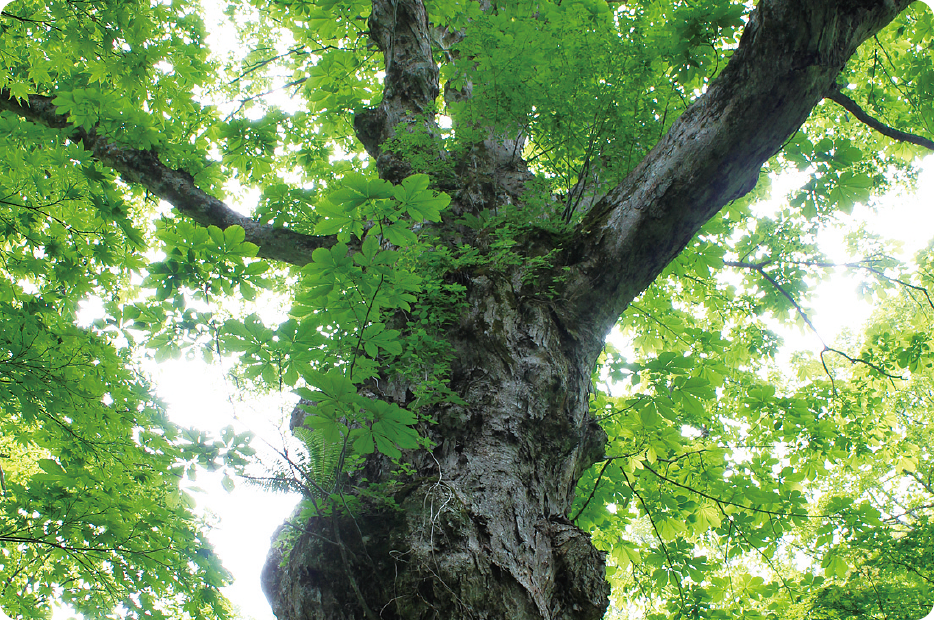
176 187
401 30
788 58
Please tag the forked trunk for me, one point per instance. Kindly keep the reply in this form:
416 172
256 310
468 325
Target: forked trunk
480 527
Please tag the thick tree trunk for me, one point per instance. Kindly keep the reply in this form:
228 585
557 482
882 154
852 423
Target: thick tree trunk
480 531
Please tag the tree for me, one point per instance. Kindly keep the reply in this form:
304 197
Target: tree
887 555
463 202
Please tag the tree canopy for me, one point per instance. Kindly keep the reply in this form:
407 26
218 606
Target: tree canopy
455 202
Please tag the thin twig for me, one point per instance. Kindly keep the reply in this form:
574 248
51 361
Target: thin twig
723 501
661 541
300 50
593 492
760 269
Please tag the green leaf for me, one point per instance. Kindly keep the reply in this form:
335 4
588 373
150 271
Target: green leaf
418 201
849 189
357 189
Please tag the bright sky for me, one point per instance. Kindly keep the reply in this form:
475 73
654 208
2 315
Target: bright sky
908 218
200 395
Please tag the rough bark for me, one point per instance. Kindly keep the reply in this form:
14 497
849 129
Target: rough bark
400 30
479 529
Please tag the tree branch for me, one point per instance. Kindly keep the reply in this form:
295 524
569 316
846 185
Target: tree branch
866 264
28 540
719 501
760 269
400 30
788 58
592 491
176 187
658 535
853 108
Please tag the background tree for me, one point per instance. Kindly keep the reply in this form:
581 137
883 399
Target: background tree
889 554
458 202
847 441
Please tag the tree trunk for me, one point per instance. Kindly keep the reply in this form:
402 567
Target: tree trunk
481 530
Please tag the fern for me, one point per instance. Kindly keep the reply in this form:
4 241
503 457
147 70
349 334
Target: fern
322 460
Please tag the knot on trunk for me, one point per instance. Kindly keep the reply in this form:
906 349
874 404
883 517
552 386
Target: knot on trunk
370 127
579 574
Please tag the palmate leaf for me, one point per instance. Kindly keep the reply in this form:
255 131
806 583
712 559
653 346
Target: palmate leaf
851 188
420 203
356 190
336 218
65 493
391 429
330 271
331 388
375 337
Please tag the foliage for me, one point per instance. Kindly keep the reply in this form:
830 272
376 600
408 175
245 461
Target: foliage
345 304
93 512
724 486
729 487
91 471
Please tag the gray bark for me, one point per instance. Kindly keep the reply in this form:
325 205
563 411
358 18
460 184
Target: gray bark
788 59
480 531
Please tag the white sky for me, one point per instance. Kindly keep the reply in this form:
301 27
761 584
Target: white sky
908 218
199 395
